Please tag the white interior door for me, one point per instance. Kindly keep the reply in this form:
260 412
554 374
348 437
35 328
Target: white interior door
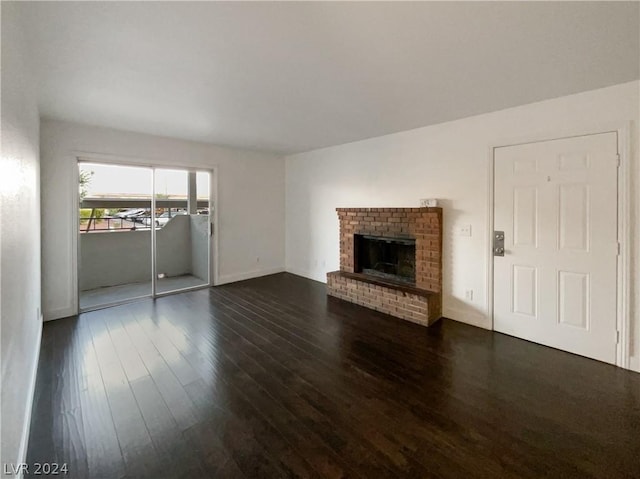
556 202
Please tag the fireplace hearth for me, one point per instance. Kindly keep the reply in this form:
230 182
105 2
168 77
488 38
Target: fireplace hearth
391 261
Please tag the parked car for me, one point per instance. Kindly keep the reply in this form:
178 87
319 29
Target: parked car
139 217
164 218
130 214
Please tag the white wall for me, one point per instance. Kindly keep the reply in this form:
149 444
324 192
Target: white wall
450 162
250 202
21 325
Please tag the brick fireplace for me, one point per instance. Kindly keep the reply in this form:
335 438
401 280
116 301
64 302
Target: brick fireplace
391 261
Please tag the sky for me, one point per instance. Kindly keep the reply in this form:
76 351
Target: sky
129 180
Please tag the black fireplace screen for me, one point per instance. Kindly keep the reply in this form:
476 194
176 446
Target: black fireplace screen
389 258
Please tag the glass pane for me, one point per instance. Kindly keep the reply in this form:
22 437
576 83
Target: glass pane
200 229
115 245
182 239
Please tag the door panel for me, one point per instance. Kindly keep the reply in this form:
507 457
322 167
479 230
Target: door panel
525 214
573 298
556 201
574 217
181 229
114 245
525 290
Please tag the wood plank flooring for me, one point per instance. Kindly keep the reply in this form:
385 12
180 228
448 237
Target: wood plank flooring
270 378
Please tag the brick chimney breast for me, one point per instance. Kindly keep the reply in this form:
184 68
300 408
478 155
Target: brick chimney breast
420 302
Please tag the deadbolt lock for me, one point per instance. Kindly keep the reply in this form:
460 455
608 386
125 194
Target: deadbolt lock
498 243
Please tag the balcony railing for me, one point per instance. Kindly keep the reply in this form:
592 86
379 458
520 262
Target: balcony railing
94 223
108 223
122 203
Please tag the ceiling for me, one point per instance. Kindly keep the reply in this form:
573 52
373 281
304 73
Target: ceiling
291 77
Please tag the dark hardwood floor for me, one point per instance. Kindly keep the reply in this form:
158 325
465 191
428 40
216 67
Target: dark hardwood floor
269 378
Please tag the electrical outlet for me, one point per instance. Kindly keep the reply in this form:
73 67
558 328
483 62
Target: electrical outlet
468 295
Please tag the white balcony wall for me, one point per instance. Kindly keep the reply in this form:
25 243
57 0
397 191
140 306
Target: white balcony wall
199 242
116 258
110 259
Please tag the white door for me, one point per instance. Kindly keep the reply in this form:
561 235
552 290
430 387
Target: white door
556 202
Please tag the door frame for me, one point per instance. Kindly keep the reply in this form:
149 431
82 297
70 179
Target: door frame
117 160
623 283
213 263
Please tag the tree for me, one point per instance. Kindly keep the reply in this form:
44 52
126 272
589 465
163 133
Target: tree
86 213
85 179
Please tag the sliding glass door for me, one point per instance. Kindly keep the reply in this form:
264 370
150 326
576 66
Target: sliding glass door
114 243
182 229
143 232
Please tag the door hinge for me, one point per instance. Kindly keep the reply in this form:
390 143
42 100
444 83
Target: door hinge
618 248
618 160
617 337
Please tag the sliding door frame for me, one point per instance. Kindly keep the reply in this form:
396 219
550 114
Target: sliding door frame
154 245
112 160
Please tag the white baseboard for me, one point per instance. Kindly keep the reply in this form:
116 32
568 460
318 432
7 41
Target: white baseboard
59 313
634 364
26 428
467 317
307 274
232 278
299 272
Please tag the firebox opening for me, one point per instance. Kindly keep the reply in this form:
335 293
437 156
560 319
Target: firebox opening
389 258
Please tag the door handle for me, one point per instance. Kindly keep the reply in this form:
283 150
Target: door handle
498 243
